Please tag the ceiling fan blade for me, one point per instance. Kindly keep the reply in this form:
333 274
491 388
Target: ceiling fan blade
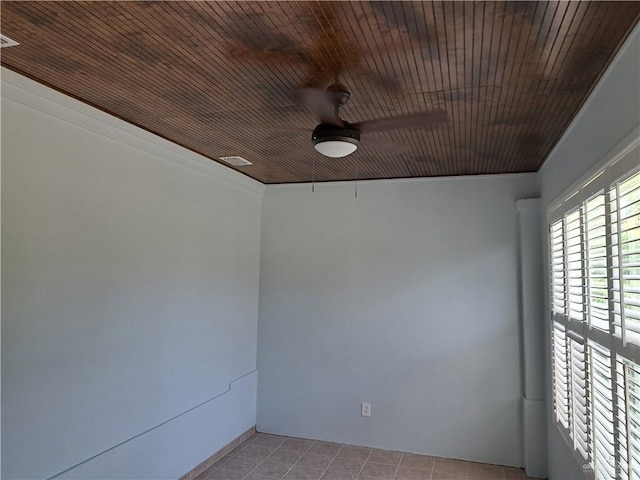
387 147
321 104
417 120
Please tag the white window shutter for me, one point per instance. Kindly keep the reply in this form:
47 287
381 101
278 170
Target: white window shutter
594 272
561 377
558 279
579 399
603 443
597 265
625 228
574 251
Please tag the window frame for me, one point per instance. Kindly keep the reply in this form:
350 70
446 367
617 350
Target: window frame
617 169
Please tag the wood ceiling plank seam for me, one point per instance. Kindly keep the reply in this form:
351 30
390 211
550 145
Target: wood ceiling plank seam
209 153
467 65
197 65
398 163
141 21
547 93
35 11
478 81
75 93
461 118
534 89
439 138
199 72
547 102
321 22
400 109
355 80
308 173
518 96
540 92
451 130
510 89
549 145
232 129
133 72
502 59
435 143
488 106
412 78
417 86
219 59
499 104
550 103
284 79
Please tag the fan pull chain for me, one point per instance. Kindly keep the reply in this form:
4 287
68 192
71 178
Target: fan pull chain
313 174
356 178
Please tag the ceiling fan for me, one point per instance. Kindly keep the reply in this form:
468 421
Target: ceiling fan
335 137
326 60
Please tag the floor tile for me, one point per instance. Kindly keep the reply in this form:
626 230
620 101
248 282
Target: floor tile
451 466
512 473
315 461
302 472
387 457
412 474
356 453
224 474
275 457
256 451
484 471
271 469
448 476
337 476
325 448
345 468
377 471
241 464
297 444
266 440
421 462
289 457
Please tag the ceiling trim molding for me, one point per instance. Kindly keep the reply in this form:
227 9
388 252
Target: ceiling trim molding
29 93
380 181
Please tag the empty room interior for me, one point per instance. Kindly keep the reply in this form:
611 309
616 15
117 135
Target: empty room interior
353 240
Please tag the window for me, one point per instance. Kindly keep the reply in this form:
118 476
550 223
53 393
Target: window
594 276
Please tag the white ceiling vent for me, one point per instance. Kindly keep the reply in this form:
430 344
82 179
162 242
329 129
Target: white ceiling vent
236 161
7 42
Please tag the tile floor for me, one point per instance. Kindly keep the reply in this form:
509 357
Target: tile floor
270 457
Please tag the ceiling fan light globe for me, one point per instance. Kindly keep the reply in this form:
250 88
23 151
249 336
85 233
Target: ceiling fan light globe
335 141
335 148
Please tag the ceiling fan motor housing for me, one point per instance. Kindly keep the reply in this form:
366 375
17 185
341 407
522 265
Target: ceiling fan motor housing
335 141
326 132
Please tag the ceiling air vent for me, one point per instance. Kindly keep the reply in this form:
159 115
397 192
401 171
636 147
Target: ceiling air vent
236 161
7 42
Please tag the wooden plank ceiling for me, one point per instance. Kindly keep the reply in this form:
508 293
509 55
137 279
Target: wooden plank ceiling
220 78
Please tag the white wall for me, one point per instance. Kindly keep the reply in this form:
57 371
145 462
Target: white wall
611 115
406 297
130 272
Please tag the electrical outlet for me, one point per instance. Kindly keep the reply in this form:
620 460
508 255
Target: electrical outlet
366 409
